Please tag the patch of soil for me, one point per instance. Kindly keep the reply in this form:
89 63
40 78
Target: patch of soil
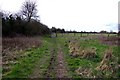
60 68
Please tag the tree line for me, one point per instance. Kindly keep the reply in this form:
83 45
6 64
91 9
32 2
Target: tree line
15 25
25 23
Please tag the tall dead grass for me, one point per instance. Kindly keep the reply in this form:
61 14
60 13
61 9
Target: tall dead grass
76 50
107 68
11 46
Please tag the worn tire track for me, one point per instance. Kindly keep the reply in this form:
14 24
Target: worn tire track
56 67
50 72
61 70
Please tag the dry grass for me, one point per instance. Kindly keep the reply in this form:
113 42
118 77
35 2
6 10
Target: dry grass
84 72
89 53
10 46
75 51
13 48
107 68
109 62
111 40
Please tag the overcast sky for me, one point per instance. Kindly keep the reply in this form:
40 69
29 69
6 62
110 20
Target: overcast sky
79 15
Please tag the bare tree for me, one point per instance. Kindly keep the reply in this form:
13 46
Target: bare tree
29 10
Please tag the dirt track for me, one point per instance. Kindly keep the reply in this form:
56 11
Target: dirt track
61 69
56 67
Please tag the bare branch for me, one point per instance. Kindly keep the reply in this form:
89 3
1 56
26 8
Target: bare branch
29 10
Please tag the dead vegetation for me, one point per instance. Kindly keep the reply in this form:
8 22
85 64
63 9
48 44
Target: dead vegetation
111 40
18 43
84 72
75 51
109 64
107 68
12 45
89 53
13 49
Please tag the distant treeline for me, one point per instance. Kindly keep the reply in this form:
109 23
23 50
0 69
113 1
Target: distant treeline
90 32
26 23
14 25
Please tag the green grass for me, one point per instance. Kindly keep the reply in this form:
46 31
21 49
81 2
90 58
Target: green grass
75 63
25 65
54 48
100 48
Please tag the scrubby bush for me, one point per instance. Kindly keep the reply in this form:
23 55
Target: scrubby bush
14 26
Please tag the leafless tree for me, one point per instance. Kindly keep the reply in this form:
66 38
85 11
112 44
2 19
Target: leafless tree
29 10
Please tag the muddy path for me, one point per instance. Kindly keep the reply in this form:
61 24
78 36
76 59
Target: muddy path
50 73
61 71
56 64
56 68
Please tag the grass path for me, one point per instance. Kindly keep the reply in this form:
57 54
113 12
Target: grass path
52 59
46 61
56 68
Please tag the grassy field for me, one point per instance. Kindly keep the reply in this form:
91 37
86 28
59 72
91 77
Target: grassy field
74 62
66 56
